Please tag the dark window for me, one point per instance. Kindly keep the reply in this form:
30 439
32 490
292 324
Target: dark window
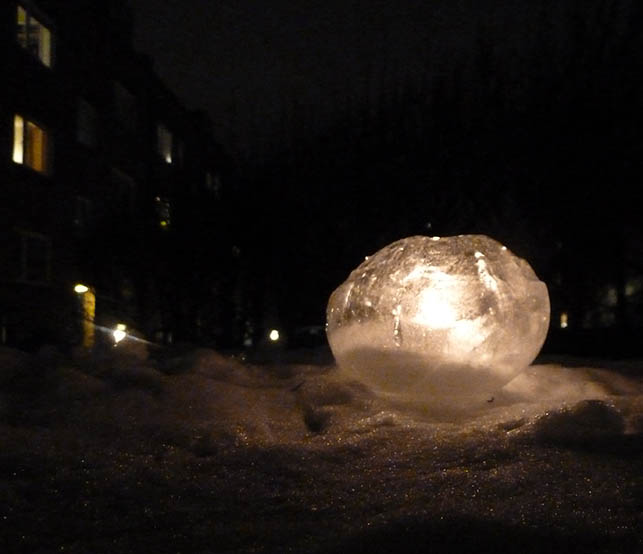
82 213
86 123
179 152
35 257
125 107
124 191
213 183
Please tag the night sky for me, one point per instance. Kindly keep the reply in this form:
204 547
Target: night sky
361 122
272 76
251 66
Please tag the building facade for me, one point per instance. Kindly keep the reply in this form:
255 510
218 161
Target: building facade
106 181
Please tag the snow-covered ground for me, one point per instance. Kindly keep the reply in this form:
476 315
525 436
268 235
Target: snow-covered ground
198 452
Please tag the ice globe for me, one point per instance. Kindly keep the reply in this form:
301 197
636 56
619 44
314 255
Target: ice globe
439 318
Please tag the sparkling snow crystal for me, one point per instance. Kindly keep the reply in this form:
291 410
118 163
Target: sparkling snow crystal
438 318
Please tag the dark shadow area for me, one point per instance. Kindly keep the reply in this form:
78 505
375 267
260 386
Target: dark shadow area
610 343
466 535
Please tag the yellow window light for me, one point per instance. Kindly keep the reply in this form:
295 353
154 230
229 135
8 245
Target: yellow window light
18 139
564 321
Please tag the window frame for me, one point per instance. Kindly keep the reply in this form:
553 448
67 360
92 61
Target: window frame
86 123
126 107
83 213
124 190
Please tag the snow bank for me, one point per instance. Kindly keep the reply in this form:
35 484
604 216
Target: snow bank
183 452
203 400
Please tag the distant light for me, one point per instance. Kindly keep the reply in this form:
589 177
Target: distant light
274 335
563 320
80 288
435 238
119 333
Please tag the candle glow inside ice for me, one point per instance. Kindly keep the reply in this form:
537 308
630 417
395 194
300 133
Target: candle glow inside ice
447 318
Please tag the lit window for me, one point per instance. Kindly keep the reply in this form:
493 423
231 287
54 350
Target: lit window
33 36
18 140
164 143
163 212
29 144
86 123
35 257
564 321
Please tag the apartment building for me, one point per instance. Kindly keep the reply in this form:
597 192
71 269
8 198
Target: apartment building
104 175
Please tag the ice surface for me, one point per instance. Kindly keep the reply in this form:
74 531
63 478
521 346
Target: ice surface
198 452
439 319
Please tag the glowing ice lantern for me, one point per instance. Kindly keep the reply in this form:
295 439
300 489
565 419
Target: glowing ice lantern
439 318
